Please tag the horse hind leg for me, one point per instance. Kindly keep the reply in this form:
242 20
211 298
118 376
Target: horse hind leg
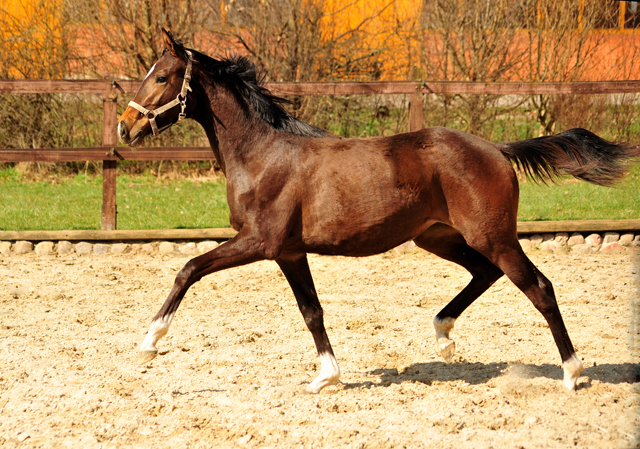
521 271
297 272
447 243
571 366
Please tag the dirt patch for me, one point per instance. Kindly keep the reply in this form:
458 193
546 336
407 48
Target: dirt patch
232 370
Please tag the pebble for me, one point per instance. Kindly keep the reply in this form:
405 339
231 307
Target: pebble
206 246
5 248
626 239
189 248
84 248
44 248
594 240
576 239
561 238
166 248
100 248
526 245
64 247
583 248
147 248
610 247
22 247
536 239
610 237
119 248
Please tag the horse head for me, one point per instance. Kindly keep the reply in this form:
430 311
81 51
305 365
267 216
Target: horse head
161 100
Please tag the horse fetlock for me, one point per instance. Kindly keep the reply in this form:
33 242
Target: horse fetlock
329 374
446 346
158 329
572 368
443 326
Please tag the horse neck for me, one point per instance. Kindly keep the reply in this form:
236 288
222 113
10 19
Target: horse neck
234 130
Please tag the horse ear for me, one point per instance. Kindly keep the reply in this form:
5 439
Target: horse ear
170 43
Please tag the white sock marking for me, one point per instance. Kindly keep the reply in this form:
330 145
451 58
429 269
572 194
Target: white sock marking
157 330
572 369
329 373
446 346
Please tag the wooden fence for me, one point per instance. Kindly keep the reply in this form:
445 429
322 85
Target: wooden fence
110 153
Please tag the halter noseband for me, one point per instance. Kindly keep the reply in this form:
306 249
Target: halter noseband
181 99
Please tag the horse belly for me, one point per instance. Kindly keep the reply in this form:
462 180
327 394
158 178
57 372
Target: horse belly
365 230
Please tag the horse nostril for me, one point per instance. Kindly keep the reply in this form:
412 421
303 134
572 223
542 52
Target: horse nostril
122 130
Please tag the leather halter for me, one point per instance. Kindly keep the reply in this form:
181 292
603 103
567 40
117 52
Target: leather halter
181 99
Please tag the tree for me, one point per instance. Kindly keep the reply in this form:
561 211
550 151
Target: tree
34 44
471 41
126 34
563 44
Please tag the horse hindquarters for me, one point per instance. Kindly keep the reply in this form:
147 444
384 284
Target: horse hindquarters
482 208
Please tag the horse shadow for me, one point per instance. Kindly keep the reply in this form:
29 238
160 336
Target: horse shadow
476 373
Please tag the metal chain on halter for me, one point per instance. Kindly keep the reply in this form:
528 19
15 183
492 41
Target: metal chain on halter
181 99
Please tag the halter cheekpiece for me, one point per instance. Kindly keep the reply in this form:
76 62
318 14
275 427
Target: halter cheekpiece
181 99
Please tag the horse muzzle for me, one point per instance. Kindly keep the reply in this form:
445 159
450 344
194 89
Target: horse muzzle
132 132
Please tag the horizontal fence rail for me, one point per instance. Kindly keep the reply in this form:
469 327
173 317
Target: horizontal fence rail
105 87
524 228
107 154
110 153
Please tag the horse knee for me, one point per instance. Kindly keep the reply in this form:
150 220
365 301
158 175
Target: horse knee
186 276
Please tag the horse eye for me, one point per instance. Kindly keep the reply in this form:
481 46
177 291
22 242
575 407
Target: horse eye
161 79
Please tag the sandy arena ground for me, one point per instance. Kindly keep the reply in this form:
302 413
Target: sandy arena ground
232 370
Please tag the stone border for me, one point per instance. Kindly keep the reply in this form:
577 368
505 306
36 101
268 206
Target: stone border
64 247
560 242
578 243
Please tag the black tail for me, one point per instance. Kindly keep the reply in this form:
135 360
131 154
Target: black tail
576 152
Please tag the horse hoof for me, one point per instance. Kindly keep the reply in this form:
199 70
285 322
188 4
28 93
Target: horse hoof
309 389
318 384
447 350
146 356
315 389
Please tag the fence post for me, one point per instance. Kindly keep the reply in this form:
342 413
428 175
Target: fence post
416 111
109 121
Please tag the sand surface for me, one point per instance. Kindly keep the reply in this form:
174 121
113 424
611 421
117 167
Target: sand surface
231 372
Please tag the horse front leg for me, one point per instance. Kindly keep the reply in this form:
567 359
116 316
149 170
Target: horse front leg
296 270
240 250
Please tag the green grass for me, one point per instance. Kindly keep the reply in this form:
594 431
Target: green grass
576 200
147 203
143 203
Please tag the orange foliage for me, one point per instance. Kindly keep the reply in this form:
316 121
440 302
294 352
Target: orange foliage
391 27
31 30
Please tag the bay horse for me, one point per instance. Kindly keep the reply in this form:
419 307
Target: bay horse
294 189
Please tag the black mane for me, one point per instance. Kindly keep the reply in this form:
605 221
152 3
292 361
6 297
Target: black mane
244 78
